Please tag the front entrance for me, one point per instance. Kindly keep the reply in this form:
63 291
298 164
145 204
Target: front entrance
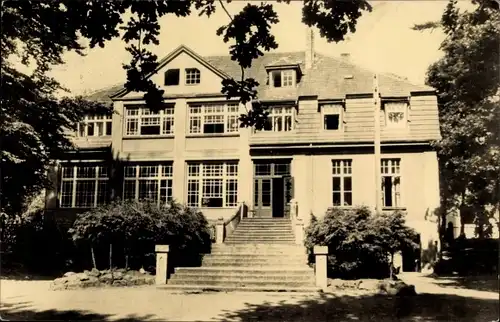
272 188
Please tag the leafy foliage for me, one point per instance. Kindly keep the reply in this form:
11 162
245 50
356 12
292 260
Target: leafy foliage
134 228
38 33
468 80
360 243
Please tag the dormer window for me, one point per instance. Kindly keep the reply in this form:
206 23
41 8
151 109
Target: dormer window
193 76
282 78
396 114
332 117
172 77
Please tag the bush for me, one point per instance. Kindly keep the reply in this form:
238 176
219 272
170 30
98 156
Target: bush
124 234
30 244
360 244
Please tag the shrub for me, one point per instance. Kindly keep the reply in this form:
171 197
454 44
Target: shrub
127 233
30 244
360 244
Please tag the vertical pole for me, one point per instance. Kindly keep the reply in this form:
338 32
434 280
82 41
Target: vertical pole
377 107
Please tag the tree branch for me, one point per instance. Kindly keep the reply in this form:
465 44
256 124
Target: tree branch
227 12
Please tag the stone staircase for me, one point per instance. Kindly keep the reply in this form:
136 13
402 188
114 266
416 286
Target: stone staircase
260 255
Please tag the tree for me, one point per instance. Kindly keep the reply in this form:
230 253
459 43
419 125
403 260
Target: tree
392 235
38 33
467 79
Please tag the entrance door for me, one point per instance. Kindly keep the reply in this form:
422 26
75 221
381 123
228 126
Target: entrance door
278 203
263 197
271 193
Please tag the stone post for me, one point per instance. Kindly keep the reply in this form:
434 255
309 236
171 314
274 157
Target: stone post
161 263
320 253
219 231
299 231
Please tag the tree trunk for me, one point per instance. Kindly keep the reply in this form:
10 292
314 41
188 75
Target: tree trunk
93 256
125 251
110 256
391 266
462 225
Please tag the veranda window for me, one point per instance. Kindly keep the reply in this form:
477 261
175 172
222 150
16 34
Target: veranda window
83 186
152 182
213 118
93 126
142 121
213 184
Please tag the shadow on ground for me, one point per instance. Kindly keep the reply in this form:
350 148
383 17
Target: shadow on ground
23 312
423 307
478 283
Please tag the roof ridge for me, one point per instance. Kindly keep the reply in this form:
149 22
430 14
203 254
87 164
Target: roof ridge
366 69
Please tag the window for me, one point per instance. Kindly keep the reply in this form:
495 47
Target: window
280 119
172 77
213 118
151 182
83 186
332 117
282 78
142 121
99 125
342 182
212 184
396 114
193 76
391 182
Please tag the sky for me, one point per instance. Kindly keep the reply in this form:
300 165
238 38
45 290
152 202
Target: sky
383 42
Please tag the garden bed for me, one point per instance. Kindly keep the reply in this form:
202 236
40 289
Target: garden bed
372 286
96 278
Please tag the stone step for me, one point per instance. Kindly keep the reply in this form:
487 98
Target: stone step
260 238
254 263
275 242
240 282
246 255
246 288
265 231
259 248
238 271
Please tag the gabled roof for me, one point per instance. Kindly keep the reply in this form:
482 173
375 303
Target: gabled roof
176 52
330 77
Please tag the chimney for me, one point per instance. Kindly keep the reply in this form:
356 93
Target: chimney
309 59
345 57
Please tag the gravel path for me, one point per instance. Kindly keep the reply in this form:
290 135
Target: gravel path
28 300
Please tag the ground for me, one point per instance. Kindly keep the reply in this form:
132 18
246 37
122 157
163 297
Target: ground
438 300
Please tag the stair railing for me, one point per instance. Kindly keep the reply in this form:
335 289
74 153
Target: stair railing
225 228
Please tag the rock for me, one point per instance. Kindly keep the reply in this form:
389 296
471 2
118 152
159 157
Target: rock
94 273
91 282
82 276
118 275
106 278
120 283
396 288
67 274
142 271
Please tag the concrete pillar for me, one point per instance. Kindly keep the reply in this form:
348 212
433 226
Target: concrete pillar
161 263
299 231
179 166
219 231
320 253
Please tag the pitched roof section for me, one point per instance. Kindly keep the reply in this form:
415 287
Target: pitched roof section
176 52
330 77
